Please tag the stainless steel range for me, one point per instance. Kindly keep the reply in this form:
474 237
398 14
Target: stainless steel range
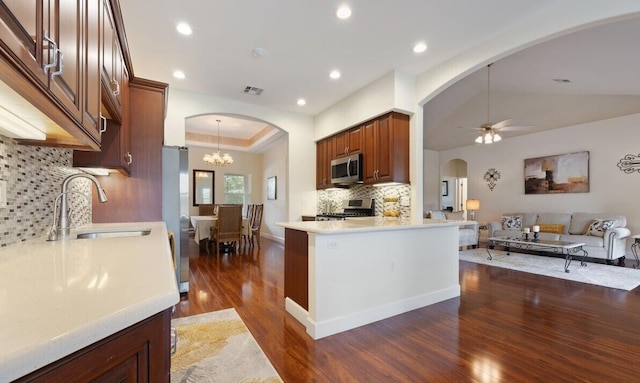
362 207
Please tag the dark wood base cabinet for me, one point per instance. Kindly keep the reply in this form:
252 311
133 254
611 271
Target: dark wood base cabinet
296 267
140 353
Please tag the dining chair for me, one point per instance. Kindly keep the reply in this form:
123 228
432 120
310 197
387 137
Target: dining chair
246 233
228 227
256 222
208 209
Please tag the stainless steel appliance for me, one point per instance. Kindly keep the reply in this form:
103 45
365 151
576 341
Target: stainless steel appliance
347 170
361 207
175 207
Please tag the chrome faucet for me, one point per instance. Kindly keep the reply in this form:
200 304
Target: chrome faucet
62 228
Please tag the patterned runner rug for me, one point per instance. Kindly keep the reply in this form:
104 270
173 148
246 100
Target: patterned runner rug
616 277
218 347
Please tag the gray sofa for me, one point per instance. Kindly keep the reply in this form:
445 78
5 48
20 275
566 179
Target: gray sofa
468 229
601 241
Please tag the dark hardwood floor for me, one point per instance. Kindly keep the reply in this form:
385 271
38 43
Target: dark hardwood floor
506 326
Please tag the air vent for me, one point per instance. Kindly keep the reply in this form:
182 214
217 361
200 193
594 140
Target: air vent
254 90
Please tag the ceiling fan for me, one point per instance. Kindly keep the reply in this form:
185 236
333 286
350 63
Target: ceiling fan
489 132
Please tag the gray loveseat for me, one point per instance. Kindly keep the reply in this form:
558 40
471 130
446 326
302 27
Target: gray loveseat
603 234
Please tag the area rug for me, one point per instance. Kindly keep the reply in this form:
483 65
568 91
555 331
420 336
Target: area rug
616 277
218 347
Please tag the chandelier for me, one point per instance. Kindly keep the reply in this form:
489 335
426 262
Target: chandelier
216 159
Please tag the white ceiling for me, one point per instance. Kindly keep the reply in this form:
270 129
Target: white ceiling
304 41
602 64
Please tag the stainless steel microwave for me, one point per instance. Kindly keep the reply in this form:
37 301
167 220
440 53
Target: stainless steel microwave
347 170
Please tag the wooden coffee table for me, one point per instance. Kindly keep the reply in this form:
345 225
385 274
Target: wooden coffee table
567 249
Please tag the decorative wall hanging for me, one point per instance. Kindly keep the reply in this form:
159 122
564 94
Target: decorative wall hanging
271 188
630 163
492 176
445 188
563 173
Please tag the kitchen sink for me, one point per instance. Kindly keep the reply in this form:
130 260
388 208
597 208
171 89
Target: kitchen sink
114 233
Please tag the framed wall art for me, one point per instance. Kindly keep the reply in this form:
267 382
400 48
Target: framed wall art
562 173
445 188
272 188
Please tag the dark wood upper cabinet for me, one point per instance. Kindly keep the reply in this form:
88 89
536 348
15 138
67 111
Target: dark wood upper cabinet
49 56
114 73
386 149
348 142
323 161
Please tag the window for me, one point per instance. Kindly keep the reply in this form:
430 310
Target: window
236 189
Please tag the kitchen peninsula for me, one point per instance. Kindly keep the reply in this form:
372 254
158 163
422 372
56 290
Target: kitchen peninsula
340 275
74 309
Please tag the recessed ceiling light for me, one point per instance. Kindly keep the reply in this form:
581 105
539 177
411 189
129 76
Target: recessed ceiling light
302 102
335 74
184 29
179 74
344 12
420 47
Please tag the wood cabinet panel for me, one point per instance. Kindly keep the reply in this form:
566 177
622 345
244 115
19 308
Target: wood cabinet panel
296 267
92 66
386 149
140 353
138 197
355 140
348 142
49 57
323 164
369 163
113 66
64 27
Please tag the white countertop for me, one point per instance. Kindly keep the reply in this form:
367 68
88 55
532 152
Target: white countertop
351 225
58 297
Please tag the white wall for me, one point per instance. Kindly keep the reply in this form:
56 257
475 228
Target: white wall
275 164
431 180
611 190
301 194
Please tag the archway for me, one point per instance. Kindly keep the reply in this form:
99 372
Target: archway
259 150
453 179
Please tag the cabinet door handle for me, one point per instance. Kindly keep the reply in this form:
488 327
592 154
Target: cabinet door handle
60 65
104 124
129 158
54 49
117 84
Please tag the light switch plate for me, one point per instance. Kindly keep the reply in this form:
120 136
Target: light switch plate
3 194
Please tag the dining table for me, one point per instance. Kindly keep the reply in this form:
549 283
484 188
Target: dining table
202 225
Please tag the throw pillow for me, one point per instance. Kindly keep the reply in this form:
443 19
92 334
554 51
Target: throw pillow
599 226
552 228
436 214
455 215
511 222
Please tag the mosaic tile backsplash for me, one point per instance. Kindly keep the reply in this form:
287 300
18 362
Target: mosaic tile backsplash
330 201
34 176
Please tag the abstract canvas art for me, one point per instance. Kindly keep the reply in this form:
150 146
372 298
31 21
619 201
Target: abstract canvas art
563 173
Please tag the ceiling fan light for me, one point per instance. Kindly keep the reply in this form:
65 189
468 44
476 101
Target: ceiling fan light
479 139
496 137
487 138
